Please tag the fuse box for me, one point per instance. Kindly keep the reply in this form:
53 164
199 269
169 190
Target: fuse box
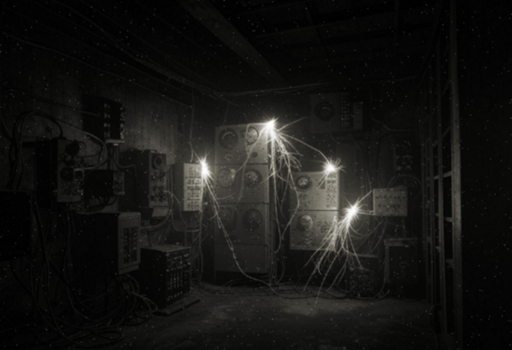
315 190
147 186
108 242
188 186
389 202
58 177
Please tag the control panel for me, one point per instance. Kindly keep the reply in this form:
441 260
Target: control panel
148 185
59 178
315 191
244 223
236 144
108 241
104 183
389 202
309 228
188 186
248 184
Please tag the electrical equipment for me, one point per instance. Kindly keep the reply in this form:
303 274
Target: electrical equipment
236 144
108 242
244 223
188 186
315 191
389 202
248 184
403 157
247 226
334 112
103 183
401 266
148 185
250 258
363 279
309 228
164 274
15 224
105 120
58 178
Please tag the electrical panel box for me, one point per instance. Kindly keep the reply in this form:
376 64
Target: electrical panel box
188 186
389 202
250 258
238 144
147 187
164 274
58 177
248 184
244 224
401 266
315 191
403 157
103 183
309 228
15 224
105 120
108 242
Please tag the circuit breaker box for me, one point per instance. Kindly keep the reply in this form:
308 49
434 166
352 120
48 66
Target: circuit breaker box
108 242
389 202
188 186
315 190
146 187
58 177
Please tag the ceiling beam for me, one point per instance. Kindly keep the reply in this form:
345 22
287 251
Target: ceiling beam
391 17
215 22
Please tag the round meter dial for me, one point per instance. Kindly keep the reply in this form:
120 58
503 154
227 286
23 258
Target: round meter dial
252 219
228 217
303 183
228 138
226 177
251 136
252 178
304 223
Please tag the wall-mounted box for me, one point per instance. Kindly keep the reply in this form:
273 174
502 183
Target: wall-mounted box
248 184
103 183
188 186
389 202
57 177
315 190
244 223
108 242
309 228
238 144
147 186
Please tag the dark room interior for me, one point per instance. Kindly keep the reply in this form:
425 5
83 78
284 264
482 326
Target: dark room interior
255 174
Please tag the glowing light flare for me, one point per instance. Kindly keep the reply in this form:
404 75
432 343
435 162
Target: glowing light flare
351 212
329 168
205 172
270 128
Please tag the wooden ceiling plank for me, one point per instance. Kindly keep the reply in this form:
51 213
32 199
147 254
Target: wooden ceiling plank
213 20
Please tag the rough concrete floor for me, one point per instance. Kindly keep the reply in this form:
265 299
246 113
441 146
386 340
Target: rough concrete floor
248 318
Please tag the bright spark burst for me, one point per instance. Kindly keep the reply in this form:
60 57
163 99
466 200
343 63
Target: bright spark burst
205 172
329 168
336 242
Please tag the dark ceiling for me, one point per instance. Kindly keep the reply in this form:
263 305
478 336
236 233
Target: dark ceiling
230 46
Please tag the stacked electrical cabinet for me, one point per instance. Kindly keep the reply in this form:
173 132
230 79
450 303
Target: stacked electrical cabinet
314 205
243 238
